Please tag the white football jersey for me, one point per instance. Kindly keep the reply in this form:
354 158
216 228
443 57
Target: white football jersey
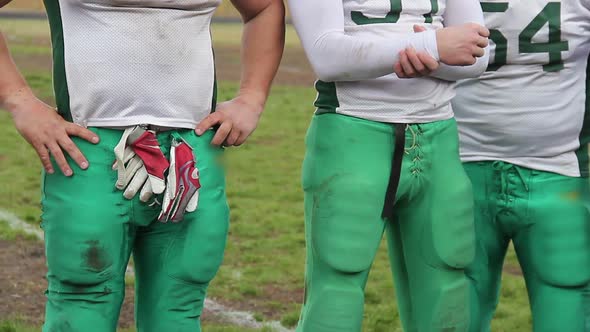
388 98
530 107
127 62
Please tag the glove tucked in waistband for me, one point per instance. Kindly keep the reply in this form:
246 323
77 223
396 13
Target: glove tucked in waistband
182 184
140 164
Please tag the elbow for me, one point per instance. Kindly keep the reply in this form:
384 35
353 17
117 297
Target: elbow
254 9
326 72
327 75
480 66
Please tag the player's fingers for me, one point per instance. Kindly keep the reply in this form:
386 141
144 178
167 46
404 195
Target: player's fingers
76 130
428 61
44 157
67 145
241 140
208 122
232 137
482 42
419 28
483 31
478 52
416 62
221 133
399 71
60 159
406 65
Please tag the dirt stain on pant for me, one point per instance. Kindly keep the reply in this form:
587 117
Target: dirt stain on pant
95 256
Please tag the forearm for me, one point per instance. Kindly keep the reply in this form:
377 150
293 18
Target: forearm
262 48
456 73
13 86
338 56
459 12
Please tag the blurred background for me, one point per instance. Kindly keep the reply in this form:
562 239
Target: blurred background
260 285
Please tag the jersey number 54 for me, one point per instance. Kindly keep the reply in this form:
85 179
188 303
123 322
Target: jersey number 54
551 15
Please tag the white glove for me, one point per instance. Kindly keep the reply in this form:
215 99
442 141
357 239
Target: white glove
140 164
182 187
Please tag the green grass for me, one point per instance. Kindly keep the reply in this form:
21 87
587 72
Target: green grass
8 233
266 243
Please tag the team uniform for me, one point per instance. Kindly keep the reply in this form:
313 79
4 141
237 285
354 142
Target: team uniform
363 112
524 132
122 63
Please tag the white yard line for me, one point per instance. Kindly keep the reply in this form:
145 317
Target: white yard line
241 318
16 223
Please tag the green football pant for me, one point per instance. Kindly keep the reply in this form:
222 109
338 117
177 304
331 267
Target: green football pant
91 230
546 217
345 175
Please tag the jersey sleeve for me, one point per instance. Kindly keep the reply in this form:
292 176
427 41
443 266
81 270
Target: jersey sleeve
336 56
459 12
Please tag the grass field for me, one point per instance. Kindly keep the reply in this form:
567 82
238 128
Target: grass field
263 267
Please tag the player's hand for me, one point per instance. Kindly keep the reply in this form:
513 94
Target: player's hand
49 134
415 64
237 119
461 45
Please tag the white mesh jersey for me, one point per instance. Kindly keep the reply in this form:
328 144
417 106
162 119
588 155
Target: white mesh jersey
388 98
128 62
530 107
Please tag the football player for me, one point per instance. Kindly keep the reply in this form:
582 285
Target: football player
525 129
382 156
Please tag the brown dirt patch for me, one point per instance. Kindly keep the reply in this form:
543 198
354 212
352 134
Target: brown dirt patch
23 283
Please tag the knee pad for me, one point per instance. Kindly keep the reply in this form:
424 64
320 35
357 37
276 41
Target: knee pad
346 228
561 250
196 251
333 309
450 240
84 267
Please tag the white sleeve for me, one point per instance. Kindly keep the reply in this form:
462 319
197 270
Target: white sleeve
459 12
336 56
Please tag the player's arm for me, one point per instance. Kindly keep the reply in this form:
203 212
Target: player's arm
457 13
37 122
263 41
337 56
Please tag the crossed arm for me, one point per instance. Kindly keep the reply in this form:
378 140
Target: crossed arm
457 13
338 56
